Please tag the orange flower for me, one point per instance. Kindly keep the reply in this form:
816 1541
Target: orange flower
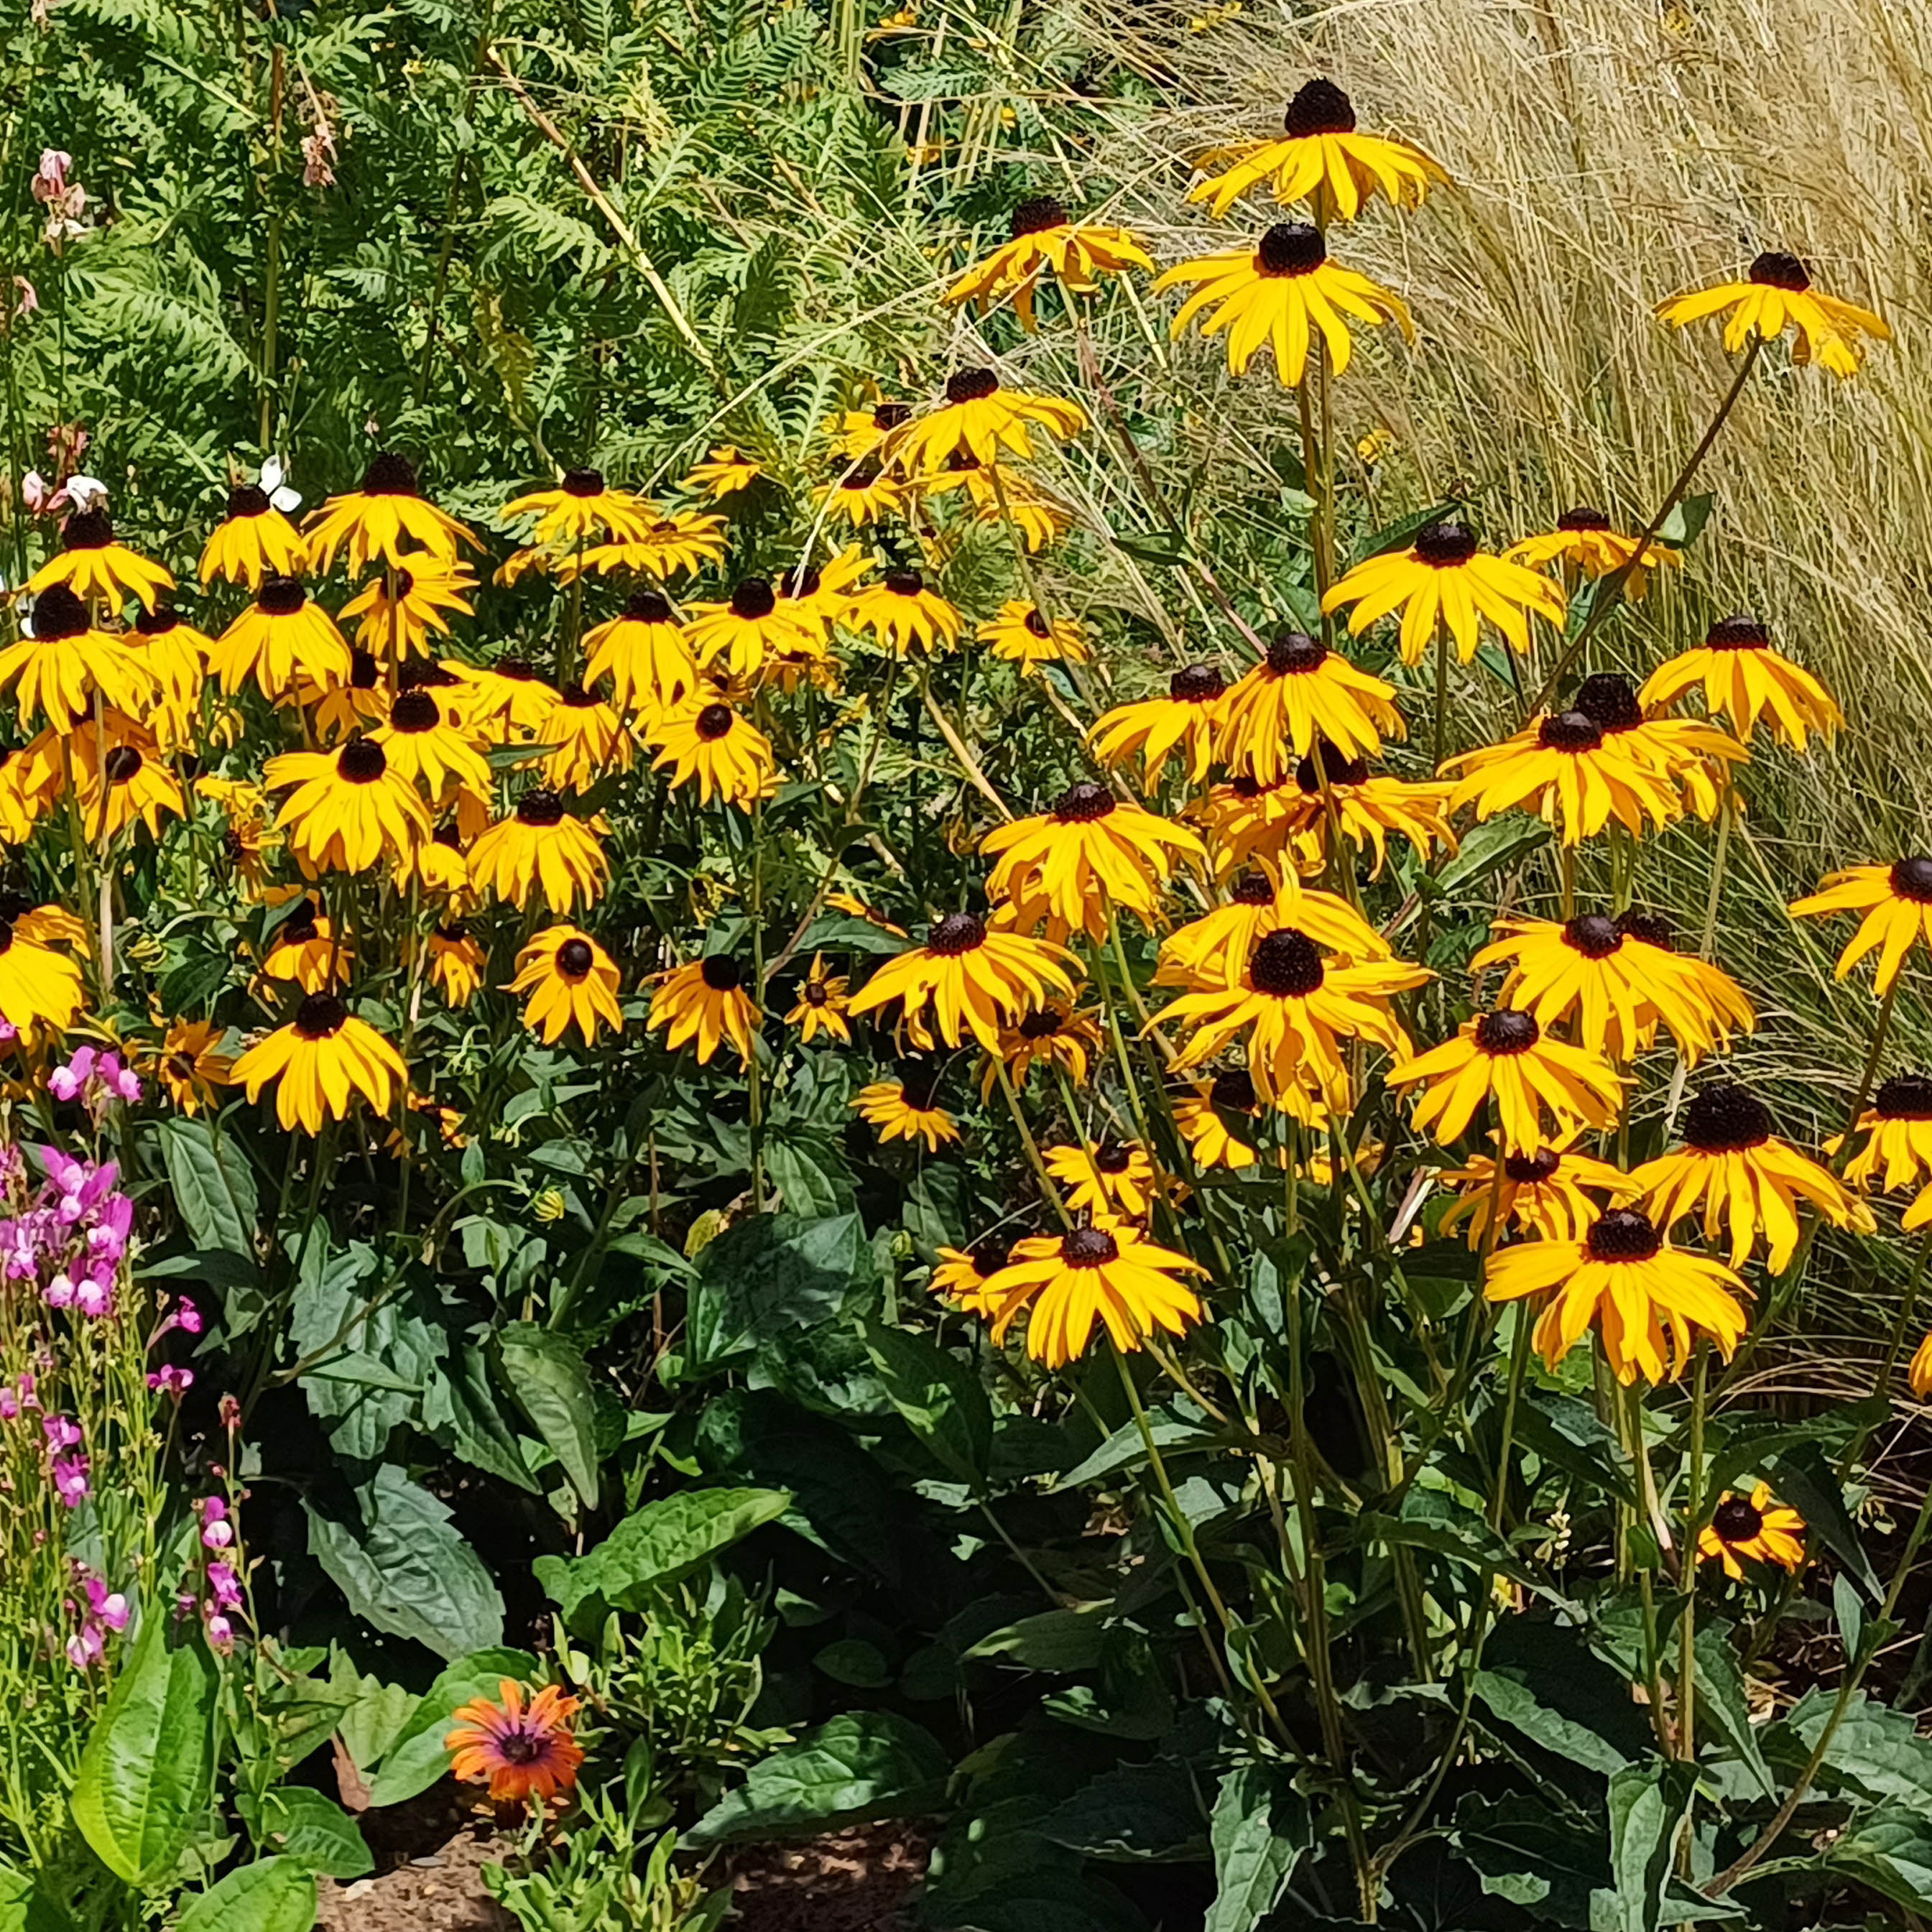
519 1752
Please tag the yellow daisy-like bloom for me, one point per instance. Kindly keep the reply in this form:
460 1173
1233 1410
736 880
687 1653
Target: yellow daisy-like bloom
55 671
541 848
727 471
865 494
1762 1529
130 781
1896 902
1213 950
1544 1091
961 1274
1586 540
1001 494
1297 1008
38 986
1252 823
1091 851
32 780
283 635
1300 694
307 953
1323 159
684 540
340 710
173 656
1068 1282
820 595
1618 983
1043 238
1546 1193
899 613
440 867
504 701
1776 294
1921 1371
643 651
1733 1166
1695 757
969 979
1113 1179
457 963
572 981
1020 634
590 740
755 624
348 809
1898 1152
851 903
422 742
402 626
1203 1115
982 418
856 434
42 923
1564 769
319 1062
370 525
1187 720
1052 1034
95 567
1284 291
253 541
705 1002
580 506
1443 578
1647 1298
1744 679
823 998
191 1065
904 1109
727 755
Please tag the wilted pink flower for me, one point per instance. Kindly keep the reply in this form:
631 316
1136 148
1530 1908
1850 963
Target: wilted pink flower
50 177
230 1411
221 1633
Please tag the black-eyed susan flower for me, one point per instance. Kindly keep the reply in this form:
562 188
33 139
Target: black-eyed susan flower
981 418
572 982
900 614
726 471
520 1751
856 434
1920 1373
1776 294
706 741
32 780
686 540
1284 291
1067 866
999 493
1694 756
422 741
1544 1091
820 594
1287 825
1216 1118
906 1108
1547 1193
541 848
1758 1529
1323 158
961 1274
850 904
348 810
504 701
1647 1299
39 987
865 494
125 780
1019 633
1586 541
705 1002
191 1065
1052 1034
1064 1283
308 951
1733 1167
1896 902
1043 238
172 656
753 624
1898 1152
823 998
319 1062
55 669
285 634
457 963
42 922
1744 679
96 567
1111 1179
582 504
339 711
589 740
372 524
397 614
1187 720
644 653
967 978
1445 578
440 867
1212 950
1563 769
254 540
1300 695
1618 985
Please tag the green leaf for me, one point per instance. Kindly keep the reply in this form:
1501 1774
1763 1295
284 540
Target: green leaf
213 1186
862 1765
1803 1478
1056 1640
417 1759
1430 1520
25 1907
1686 521
1260 1831
1876 1751
147 1773
1890 1850
1487 848
373 1720
462 1410
772 1275
659 1545
1127 1446
1539 1678
1647 1804
271 1895
313 1831
1721 1700
1164 549
940 1397
1134 1811
551 1383
853 1660
1524 1850
408 1572
1400 534
1567 1434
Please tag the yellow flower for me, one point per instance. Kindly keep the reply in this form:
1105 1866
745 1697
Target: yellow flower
961 1274
1000 494
1546 1193
504 701
1249 822
94 566
1042 237
904 1109
1776 295
590 740
579 506
1112 1275
371 523
1302 693
572 981
283 635
1051 1033
347 809
1585 539
1284 291
728 471
1020 634
1899 1123
126 781
420 742
1896 902
1565 770
1324 159
1543 1090
728 755
899 613
1695 757
865 494
319 1062
970 979
857 434
540 848
685 540
38 986
822 1002
401 627
1765 1531
1202 1112
191 1065
753 625
705 1001
644 653
1187 720
55 670
1213 950
308 951
1113 1179
457 963
173 657
982 418
1745 679
253 541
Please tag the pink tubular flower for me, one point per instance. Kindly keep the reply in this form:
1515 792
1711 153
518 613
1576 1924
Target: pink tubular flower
175 1380
110 1607
217 1531
84 1647
61 1432
225 1586
70 1483
221 1633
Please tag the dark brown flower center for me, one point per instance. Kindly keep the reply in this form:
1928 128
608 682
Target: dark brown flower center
1905 1097
1340 771
1609 700
720 973
249 500
1737 633
815 994
540 807
754 598
1089 1247
1197 684
1736 1519
1446 545
990 1256
158 622
516 668
1507 1032
1726 1118
1037 213
573 957
1234 1091
122 763
389 474
58 613
971 385
1912 879
918 1085
300 925
1584 516
1649 928
903 583
1286 965
416 711
1036 626
863 478
1081 804
584 482
1593 935
87 529
1319 107
647 607
1113 1157
1772 270
520 1747
420 674
958 932
1290 248
280 596
320 1016
1252 888
1293 653
578 698
890 415
1623 1234
1530 1170
714 721
1042 1023
361 762
1572 731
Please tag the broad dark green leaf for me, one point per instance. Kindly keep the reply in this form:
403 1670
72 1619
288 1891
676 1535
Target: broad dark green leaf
1539 1677
1261 1829
417 1759
211 1183
1524 1849
1889 1849
1056 1640
271 1895
550 1382
1722 1706
863 1764
1134 1812
463 1411
941 1398
1647 1803
771 1276
1804 1478
1876 1751
312 1831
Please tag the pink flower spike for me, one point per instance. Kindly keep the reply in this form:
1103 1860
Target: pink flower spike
221 1633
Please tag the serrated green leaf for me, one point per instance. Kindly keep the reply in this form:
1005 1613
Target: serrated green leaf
271 1895
550 1382
211 1183
862 1765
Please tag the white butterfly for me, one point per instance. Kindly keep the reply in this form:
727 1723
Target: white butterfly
85 492
274 481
